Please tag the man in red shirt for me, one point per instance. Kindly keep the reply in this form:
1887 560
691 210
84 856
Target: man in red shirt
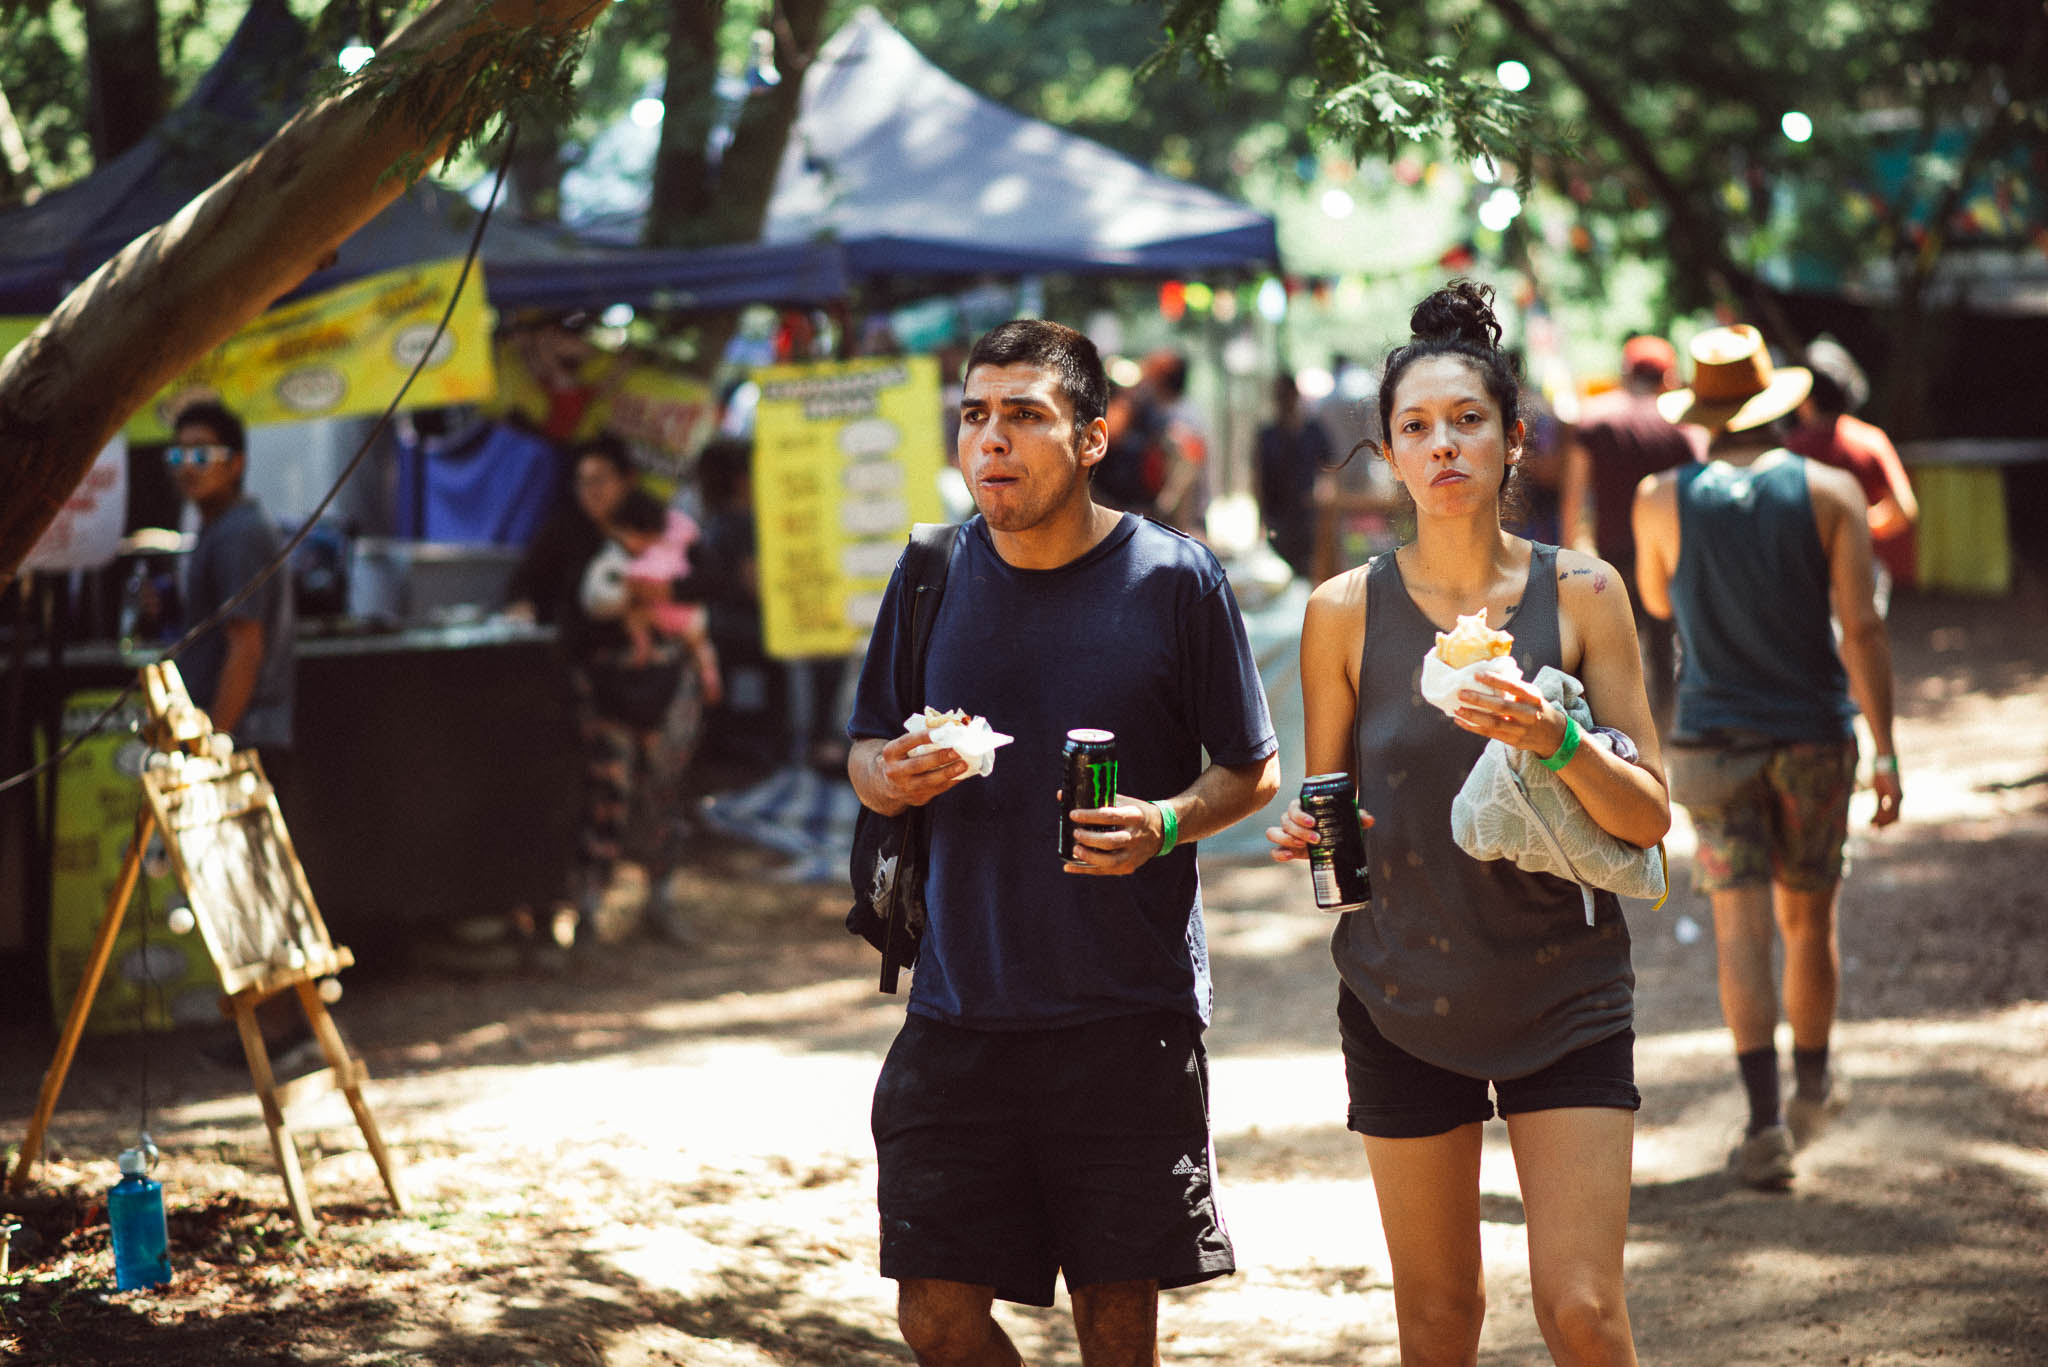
1827 433
1621 439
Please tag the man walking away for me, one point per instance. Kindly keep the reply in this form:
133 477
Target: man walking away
1828 434
1620 439
1747 553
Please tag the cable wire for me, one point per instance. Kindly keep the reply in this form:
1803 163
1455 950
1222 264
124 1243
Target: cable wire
262 576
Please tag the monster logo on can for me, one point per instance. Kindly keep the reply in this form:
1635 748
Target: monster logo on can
1337 860
1087 778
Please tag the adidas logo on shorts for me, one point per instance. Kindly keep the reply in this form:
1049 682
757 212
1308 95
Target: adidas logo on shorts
1186 1167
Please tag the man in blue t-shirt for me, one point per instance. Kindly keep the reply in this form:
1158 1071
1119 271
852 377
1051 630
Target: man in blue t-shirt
1044 1109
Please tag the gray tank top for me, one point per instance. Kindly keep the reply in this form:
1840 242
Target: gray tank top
1472 965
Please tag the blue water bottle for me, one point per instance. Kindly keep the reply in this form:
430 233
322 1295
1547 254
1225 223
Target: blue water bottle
135 1212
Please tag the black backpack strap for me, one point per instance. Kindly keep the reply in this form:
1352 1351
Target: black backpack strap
925 562
931 545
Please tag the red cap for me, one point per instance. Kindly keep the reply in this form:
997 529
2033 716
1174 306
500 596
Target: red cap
1650 355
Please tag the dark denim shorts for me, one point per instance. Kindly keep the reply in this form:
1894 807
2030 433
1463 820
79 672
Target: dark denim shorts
1010 1157
1395 1095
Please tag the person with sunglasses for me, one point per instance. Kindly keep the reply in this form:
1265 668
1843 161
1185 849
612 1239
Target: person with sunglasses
243 671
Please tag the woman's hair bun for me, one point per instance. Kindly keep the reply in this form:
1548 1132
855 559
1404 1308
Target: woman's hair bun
1462 311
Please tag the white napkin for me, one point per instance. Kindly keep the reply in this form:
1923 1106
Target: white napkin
973 740
1441 684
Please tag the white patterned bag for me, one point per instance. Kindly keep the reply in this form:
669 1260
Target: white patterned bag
1512 807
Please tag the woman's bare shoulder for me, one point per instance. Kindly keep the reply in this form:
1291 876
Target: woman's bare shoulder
1336 610
1584 578
1340 596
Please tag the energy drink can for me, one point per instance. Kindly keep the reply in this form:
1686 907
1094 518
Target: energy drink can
1087 778
1336 862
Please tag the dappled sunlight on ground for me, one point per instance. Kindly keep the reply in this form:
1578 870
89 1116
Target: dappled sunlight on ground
657 1155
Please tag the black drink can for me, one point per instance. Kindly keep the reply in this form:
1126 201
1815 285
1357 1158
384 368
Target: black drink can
1336 862
1087 779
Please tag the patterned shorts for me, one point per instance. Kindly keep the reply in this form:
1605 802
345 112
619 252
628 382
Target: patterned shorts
1776 813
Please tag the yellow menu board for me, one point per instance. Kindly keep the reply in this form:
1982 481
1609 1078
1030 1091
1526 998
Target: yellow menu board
847 456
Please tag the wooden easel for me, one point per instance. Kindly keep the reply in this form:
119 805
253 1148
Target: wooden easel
261 926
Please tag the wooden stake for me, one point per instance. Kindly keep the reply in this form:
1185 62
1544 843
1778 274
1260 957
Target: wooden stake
81 1001
352 1074
281 1142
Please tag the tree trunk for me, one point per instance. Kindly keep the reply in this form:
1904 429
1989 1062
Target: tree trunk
695 204
680 199
126 89
182 289
535 178
17 172
746 178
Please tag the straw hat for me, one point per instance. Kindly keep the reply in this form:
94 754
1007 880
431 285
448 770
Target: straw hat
1734 385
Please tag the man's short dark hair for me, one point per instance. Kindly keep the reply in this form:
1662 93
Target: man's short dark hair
214 414
721 466
640 511
1070 356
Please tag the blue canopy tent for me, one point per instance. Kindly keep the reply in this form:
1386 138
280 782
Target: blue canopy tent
912 173
49 247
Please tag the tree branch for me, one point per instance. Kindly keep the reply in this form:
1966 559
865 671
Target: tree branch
174 294
1699 240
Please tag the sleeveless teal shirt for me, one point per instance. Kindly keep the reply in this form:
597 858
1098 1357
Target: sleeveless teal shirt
1750 595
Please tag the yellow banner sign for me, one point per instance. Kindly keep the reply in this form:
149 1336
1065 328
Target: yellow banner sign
847 456
155 979
341 353
13 331
565 386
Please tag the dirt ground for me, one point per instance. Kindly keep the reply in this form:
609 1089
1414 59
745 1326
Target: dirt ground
656 1155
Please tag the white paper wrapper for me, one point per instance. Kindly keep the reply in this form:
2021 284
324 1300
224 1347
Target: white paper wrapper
973 740
1441 684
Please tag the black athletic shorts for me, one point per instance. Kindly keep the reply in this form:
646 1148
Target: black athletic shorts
1010 1156
1395 1095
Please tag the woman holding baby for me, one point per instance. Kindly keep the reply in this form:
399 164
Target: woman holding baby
1465 973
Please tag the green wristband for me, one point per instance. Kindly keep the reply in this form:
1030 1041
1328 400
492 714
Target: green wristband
1566 748
1169 829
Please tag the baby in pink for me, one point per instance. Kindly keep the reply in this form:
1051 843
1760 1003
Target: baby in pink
660 557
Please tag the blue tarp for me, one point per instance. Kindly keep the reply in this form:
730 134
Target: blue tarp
265 73
495 483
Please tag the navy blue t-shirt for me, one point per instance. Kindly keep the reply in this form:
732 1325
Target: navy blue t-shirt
1140 636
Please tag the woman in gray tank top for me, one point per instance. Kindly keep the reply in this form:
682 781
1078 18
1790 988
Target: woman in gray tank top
1463 973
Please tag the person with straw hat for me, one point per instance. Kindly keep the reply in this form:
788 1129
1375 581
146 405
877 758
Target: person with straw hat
1747 553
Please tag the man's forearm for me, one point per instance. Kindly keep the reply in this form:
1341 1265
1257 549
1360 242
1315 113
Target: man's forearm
238 671
863 770
1867 658
1223 795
